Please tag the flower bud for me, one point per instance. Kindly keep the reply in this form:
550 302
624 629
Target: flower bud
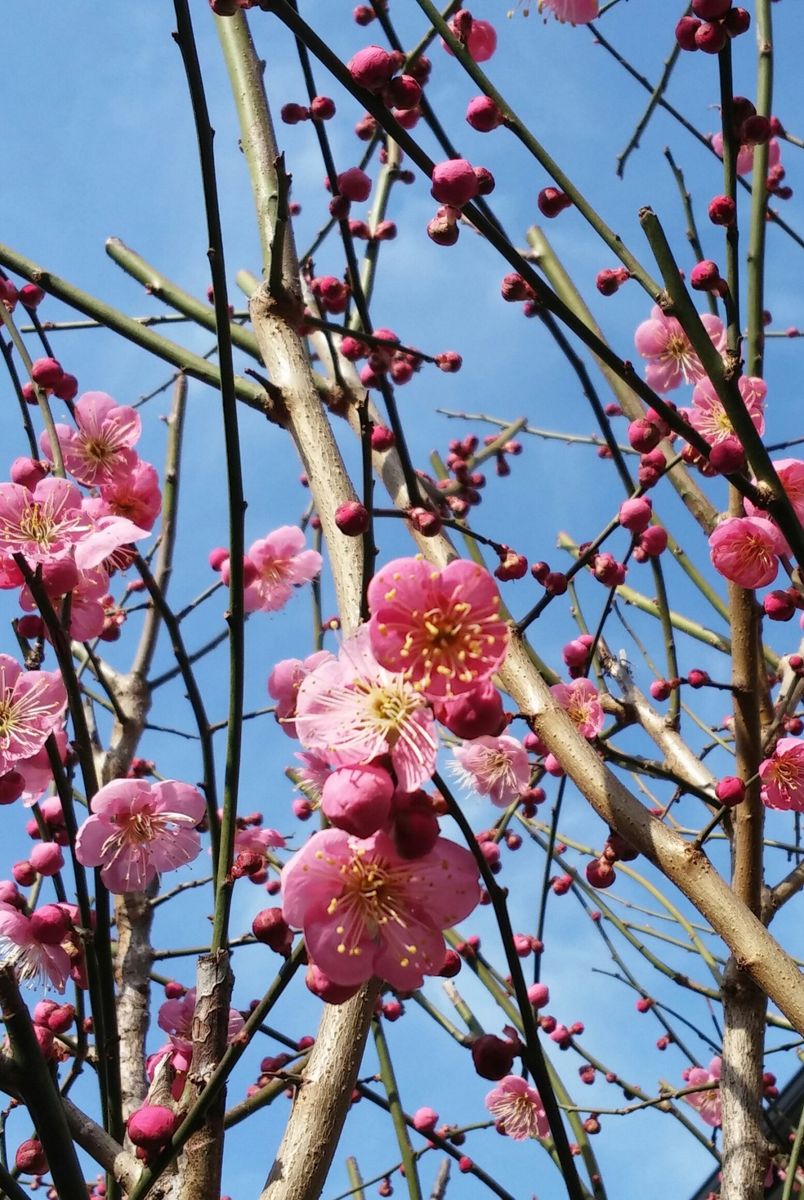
730 791
151 1126
352 518
483 114
493 1057
552 201
271 928
454 182
371 67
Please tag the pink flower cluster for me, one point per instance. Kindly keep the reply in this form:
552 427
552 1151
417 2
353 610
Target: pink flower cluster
273 567
176 1019
373 893
670 357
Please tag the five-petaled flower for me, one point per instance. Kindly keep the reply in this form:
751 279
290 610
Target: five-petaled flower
366 911
275 565
354 710
35 952
671 358
707 1102
782 776
442 629
138 830
746 550
496 767
517 1109
32 705
709 417
100 449
581 702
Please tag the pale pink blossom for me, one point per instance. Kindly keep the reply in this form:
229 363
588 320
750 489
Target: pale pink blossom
782 776
352 709
366 911
671 358
708 416
745 154
496 767
315 770
581 702
36 770
138 830
284 683
746 550
791 477
86 590
257 841
100 448
276 564
135 495
707 1102
443 629
517 1109
44 524
577 12
36 963
109 534
32 705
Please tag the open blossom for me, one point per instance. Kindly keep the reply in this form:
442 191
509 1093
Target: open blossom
496 767
791 477
577 12
135 495
746 550
354 710
707 1102
443 629
517 1109
257 841
100 448
86 589
176 1018
32 705
35 961
671 358
709 417
581 702
276 564
366 911
782 776
745 153
138 830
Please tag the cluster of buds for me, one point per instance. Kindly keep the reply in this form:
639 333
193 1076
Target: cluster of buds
385 358
321 108
600 871
469 483
514 289
30 295
377 70
713 23
607 569
576 654
49 375
705 277
509 449
554 582
454 183
331 293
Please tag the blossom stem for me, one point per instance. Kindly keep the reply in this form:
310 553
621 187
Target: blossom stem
692 229
41 395
27 424
537 1064
397 1113
730 147
759 195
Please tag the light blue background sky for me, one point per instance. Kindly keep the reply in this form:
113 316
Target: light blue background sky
98 141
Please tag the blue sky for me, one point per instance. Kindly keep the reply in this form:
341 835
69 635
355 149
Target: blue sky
99 142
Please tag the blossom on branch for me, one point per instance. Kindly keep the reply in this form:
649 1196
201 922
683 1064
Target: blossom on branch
100 449
32 705
577 12
496 767
366 911
442 629
782 776
581 702
709 417
137 830
671 358
708 1102
746 550
274 566
517 1109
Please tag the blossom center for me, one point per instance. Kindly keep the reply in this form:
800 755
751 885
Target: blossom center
37 525
9 717
99 450
372 897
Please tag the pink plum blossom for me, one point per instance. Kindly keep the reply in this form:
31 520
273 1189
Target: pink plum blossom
279 563
581 702
366 911
35 961
176 1018
745 154
496 767
257 841
44 524
36 770
138 830
782 776
284 683
135 495
86 589
443 629
707 1102
352 709
709 417
517 1109
32 705
746 550
577 12
671 358
100 449
791 477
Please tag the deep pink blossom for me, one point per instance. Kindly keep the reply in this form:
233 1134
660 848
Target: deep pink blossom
782 776
671 358
366 911
443 629
517 1109
138 830
279 563
707 1102
86 590
708 415
352 709
36 962
32 705
577 12
496 767
284 683
581 702
44 524
791 477
100 448
746 550
135 495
